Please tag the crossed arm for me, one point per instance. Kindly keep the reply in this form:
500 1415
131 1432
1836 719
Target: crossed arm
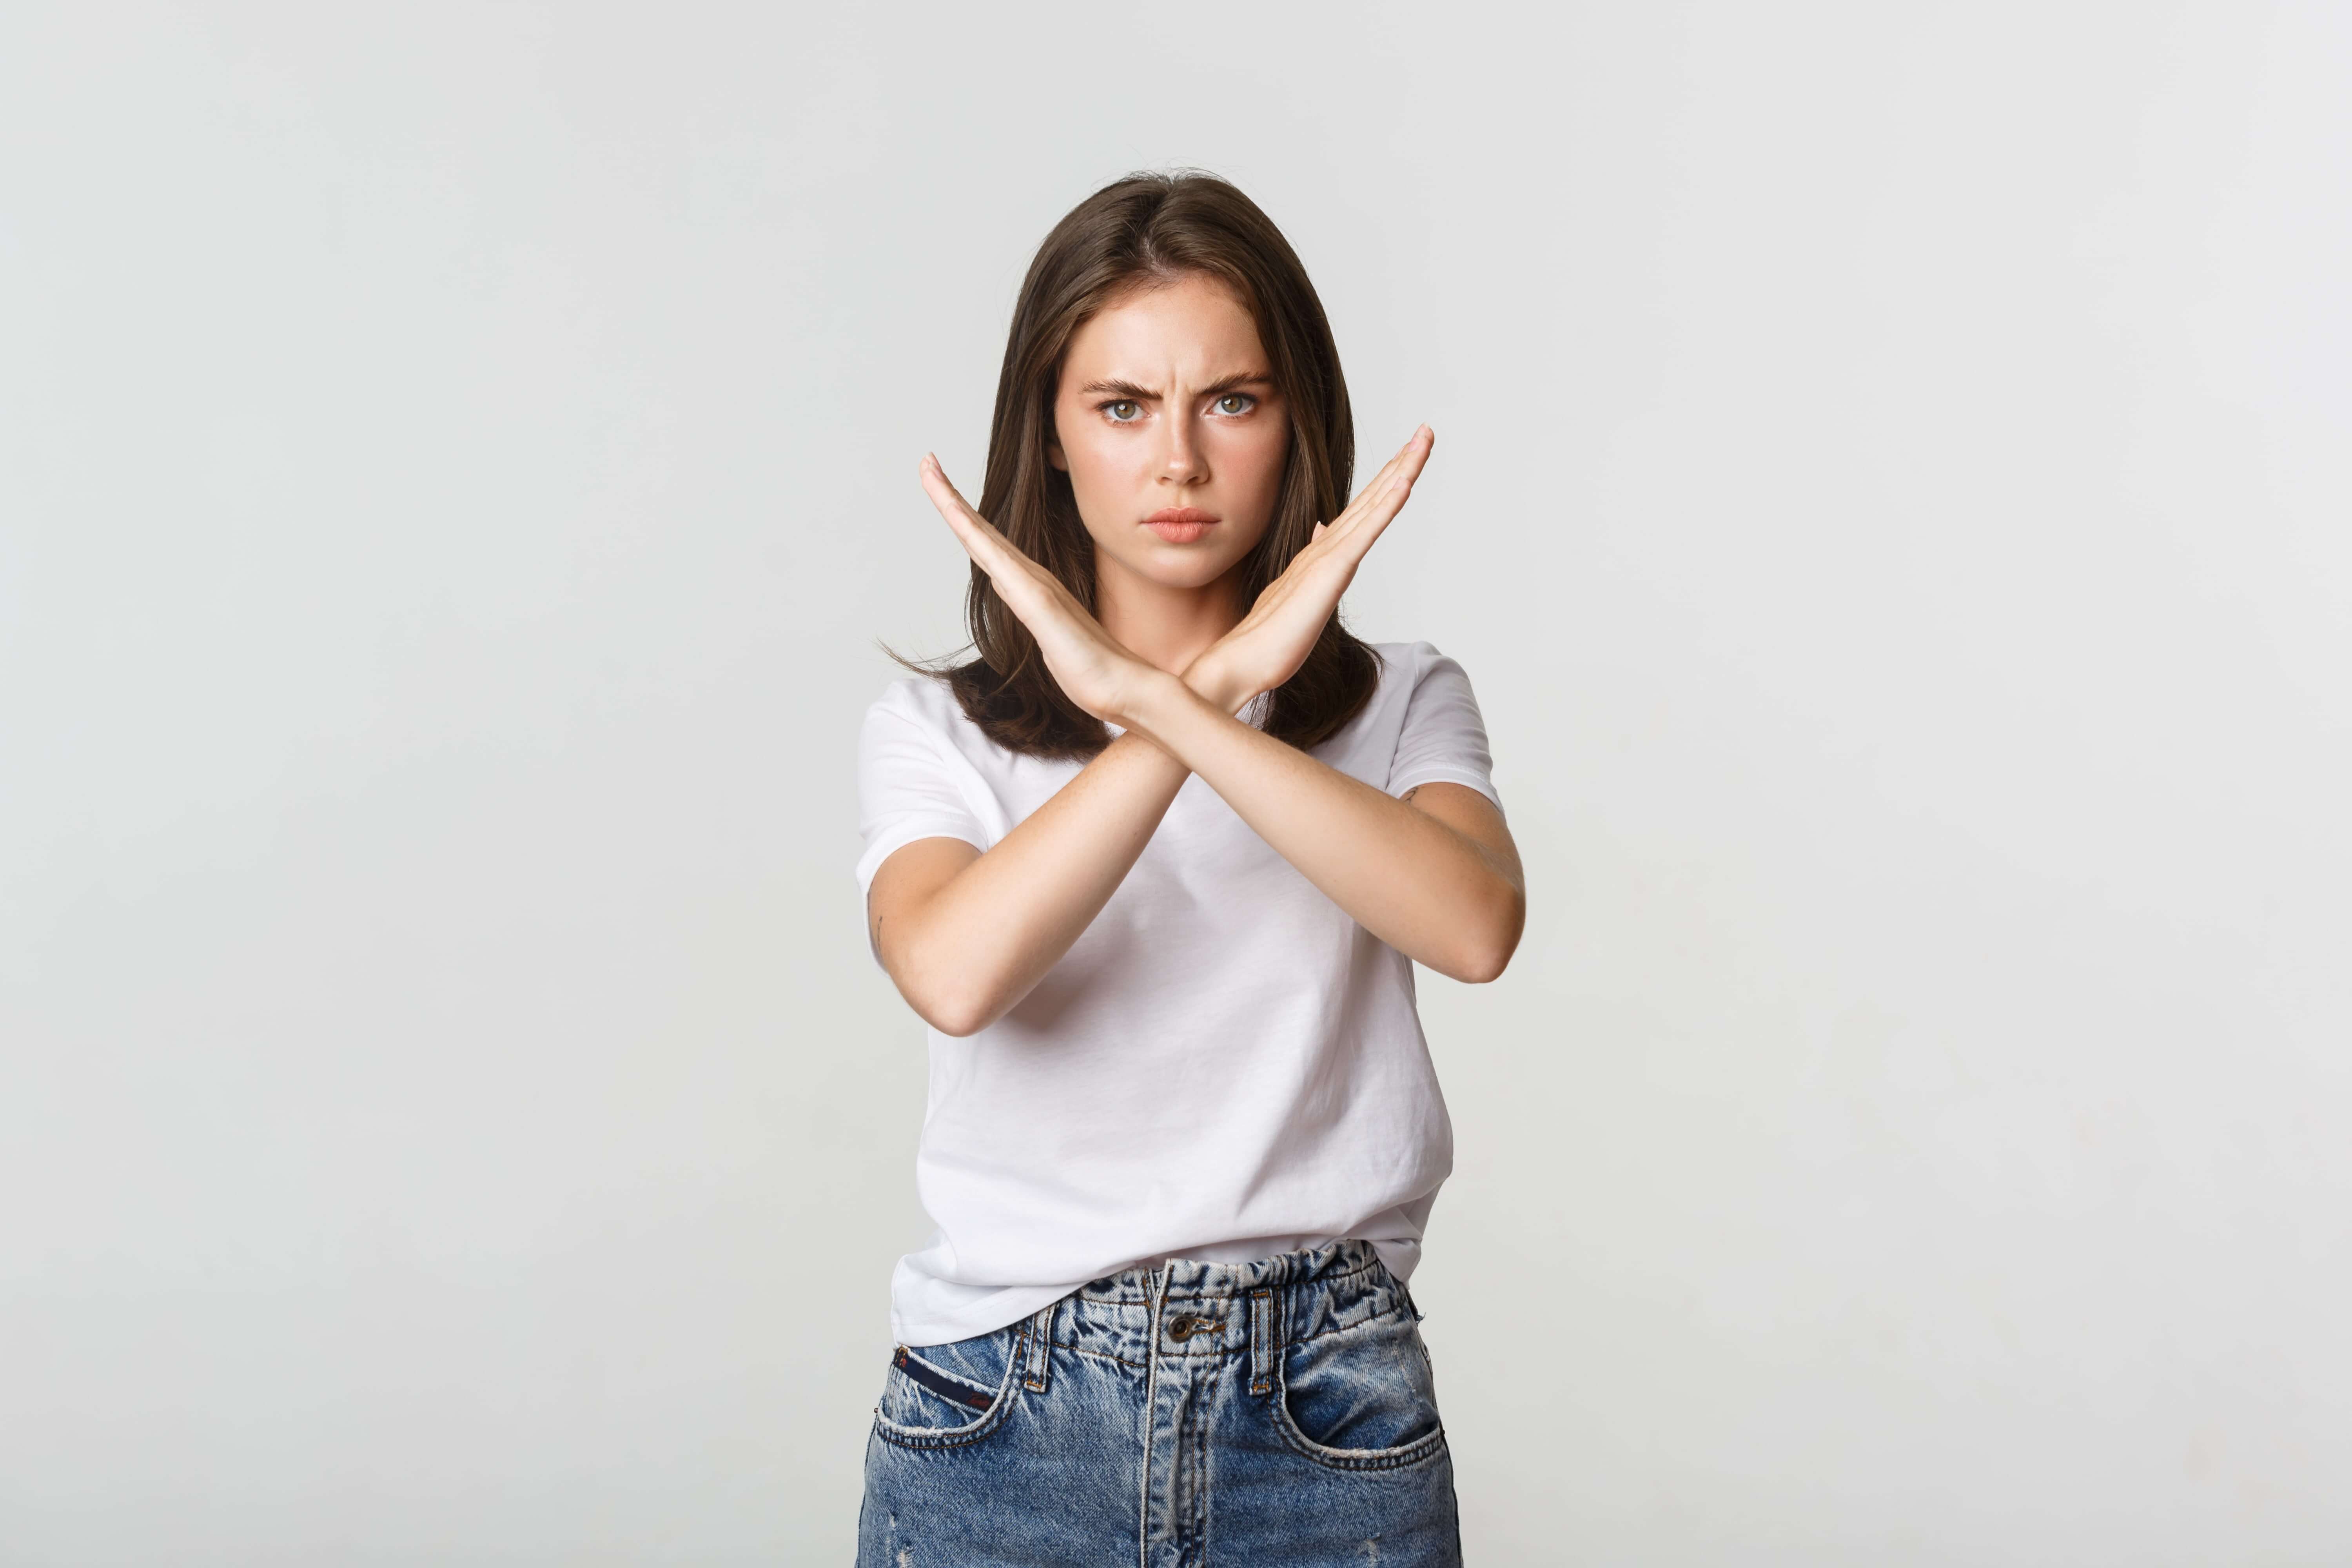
966 935
1434 874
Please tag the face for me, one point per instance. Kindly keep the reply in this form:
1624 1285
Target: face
1172 432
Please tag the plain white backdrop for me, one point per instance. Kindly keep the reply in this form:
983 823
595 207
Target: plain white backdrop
1892 498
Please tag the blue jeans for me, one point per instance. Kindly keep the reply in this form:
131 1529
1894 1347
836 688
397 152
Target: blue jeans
1277 1414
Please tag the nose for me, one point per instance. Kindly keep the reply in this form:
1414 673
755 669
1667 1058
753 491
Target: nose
1183 464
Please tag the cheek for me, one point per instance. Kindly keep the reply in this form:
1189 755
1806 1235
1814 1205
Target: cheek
1097 463
1252 459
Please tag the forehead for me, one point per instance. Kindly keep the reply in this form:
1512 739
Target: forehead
1194 329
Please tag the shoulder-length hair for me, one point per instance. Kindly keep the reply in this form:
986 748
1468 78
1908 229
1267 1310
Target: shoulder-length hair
1143 230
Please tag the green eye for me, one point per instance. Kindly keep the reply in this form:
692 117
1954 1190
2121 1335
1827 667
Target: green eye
1235 403
1123 411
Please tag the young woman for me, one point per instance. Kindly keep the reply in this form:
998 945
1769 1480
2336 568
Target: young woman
1156 867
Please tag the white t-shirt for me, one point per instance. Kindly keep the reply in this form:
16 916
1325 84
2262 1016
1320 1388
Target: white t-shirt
1225 1064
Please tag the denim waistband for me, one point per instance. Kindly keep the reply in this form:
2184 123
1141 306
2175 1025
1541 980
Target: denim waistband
1187 1308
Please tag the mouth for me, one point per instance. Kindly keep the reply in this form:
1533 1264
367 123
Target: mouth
1179 525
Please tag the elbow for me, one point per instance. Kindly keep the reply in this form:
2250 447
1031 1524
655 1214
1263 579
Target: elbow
1485 959
952 1010
956 1013
1484 973
938 986
1485 966
953 1017
1476 966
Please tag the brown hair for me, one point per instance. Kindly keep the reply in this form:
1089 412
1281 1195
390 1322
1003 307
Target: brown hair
1144 228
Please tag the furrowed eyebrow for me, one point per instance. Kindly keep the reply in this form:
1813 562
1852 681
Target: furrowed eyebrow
1235 383
1127 389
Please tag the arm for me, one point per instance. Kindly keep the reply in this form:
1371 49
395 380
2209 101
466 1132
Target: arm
966 935
1434 874
1437 876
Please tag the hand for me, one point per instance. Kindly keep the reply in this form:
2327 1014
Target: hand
1095 670
1275 639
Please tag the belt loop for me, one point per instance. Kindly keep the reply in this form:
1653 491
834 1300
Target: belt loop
1040 1347
1262 1338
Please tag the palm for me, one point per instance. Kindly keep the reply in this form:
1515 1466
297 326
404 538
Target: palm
1274 639
1097 671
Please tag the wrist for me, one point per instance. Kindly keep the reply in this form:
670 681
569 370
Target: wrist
1153 700
1211 682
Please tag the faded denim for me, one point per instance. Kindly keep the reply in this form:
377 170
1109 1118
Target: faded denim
1279 1414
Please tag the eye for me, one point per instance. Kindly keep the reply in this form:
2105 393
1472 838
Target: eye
1235 403
1125 411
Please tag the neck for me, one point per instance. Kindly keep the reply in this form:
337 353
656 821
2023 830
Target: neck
1165 626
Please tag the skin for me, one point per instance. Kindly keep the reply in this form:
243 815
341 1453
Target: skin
1165 401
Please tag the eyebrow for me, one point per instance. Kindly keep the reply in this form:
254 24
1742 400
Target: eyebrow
1127 389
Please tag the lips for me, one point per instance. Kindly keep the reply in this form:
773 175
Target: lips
1179 525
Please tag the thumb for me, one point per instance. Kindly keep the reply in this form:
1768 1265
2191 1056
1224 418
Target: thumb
1318 532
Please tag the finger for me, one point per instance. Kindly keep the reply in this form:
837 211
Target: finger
1413 458
1378 482
1408 461
979 537
943 491
1381 499
1028 590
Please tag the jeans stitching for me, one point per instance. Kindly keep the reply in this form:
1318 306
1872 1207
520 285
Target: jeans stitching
1420 1448
980 1426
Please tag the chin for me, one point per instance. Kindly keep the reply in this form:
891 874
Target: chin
1193 572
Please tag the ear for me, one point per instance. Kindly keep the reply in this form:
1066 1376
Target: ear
1053 453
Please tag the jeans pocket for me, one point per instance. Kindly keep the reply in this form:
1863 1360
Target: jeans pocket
1361 1398
946 1396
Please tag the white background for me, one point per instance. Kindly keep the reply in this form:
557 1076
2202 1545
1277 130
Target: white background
1891 496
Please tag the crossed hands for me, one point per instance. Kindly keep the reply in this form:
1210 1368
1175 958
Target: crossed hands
1102 676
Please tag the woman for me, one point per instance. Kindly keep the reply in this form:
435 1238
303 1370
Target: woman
1155 866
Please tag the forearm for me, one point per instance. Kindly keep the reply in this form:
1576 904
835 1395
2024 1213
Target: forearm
970 952
1432 893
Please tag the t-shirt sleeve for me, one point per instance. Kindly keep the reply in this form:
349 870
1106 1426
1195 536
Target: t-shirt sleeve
905 792
1445 737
